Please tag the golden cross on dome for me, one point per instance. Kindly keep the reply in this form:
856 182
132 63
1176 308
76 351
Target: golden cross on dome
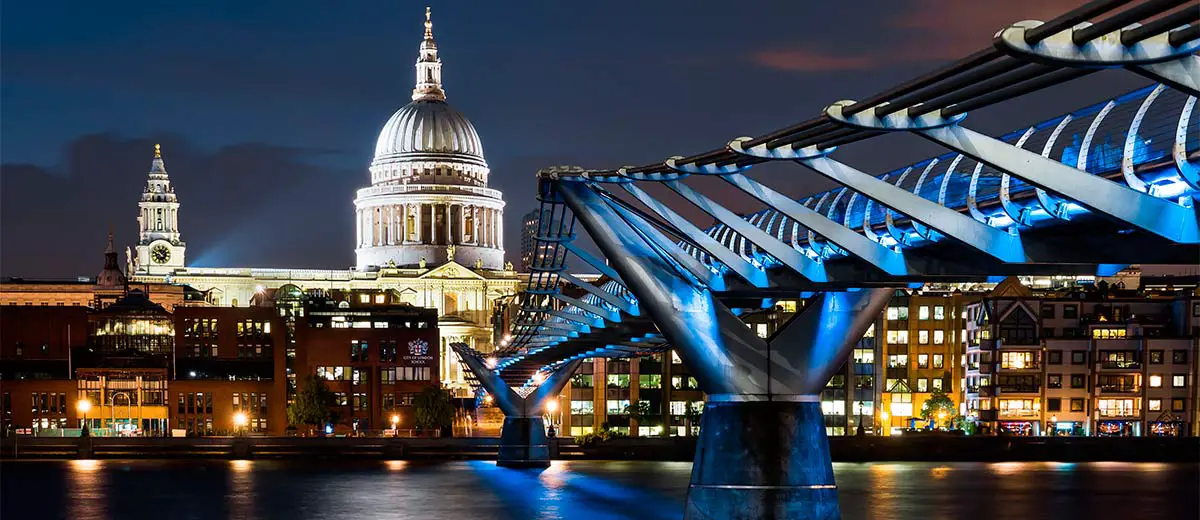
157 151
428 24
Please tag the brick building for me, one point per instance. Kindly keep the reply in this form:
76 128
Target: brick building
375 357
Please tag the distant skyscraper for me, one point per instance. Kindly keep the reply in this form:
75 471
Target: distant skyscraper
529 230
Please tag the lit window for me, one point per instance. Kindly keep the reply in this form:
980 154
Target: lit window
379 298
939 337
1179 381
1108 333
923 312
1156 381
1016 360
939 312
922 337
1154 405
761 329
364 298
922 360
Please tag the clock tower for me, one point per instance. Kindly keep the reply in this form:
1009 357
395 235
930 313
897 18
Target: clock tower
159 249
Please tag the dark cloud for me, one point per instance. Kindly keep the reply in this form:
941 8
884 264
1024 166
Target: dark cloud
248 204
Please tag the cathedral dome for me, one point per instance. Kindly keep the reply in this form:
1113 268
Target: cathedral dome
427 126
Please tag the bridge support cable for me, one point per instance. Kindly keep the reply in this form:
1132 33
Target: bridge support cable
780 467
523 440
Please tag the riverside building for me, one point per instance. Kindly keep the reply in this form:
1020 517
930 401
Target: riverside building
1106 361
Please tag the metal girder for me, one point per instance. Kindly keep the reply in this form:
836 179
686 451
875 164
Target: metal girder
502 394
752 274
577 318
596 263
995 242
784 253
1153 57
874 253
606 314
1158 216
616 301
686 265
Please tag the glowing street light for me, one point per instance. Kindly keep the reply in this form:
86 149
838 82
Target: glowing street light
491 362
487 399
552 406
240 420
395 425
84 406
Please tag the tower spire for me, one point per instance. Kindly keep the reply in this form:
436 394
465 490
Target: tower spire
428 24
429 67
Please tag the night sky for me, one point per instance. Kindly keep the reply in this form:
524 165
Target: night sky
268 111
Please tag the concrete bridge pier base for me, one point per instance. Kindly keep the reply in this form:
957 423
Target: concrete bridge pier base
762 460
523 443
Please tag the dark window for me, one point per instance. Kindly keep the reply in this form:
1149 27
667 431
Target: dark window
1078 381
1053 404
358 351
1177 405
1018 328
1179 357
1048 332
1054 381
1077 405
1047 311
1078 357
1156 357
1070 311
1054 357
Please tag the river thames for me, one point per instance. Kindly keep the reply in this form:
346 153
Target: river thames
293 490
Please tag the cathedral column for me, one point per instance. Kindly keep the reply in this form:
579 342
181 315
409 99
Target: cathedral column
449 225
499 229
358 228
391 225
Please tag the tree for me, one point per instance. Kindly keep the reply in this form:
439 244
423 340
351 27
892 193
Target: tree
640 411
938 406
433 409
313 405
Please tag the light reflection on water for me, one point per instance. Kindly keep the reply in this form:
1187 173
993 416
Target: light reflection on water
337 489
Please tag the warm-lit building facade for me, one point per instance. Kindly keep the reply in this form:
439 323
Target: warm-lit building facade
921 349
428 227
1085 362
376 355
141 369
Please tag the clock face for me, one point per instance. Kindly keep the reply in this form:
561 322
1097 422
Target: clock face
160 254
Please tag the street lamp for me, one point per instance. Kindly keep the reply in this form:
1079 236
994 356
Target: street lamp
83 405
941 417
240 420
395 425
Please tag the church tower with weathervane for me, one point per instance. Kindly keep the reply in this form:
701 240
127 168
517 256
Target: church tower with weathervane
159 249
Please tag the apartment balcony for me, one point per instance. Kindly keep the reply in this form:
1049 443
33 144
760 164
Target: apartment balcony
1120 365
1119 389
1025 414
1033 367
1018 389
1120 414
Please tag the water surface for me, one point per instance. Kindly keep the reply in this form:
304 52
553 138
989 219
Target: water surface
295 490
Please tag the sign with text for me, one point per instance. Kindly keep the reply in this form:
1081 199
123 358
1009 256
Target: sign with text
417 354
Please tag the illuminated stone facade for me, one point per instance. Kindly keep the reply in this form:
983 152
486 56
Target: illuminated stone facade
428 229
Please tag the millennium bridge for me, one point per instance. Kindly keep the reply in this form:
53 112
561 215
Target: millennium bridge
1086 192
